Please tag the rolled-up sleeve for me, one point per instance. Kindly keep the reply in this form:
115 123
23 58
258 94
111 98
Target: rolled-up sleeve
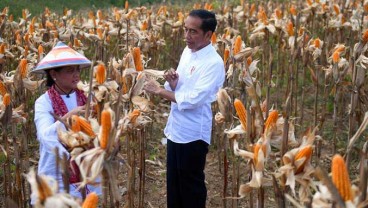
204 90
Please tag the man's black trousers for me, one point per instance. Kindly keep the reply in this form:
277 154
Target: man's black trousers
185 174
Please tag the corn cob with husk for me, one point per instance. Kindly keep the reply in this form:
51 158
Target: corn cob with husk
302 157
100 73
213 38
237 45
2 88
241 112
340 177
107 118
137 59
226 55
6 99
23 68
224 102
270 122
81 124
91 201
297 164
45 190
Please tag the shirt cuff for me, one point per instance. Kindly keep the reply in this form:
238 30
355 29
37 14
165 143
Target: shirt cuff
167 86
180 100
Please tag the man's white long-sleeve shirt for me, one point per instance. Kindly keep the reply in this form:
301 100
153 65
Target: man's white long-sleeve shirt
201 75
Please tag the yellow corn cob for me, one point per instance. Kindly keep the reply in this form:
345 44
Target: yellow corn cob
44 191
81 124
340 177
6 99
24 14
49 24
100 73
262 16
293 10
365 36
18 40
106 124
75 124
241 112
31 29
249 60
26 37
40 50
2 48
226 55
23 68
11 18
271 120
197 6
134 115
91 201
56 35
5 11
99 33
126 6
278 13
237 45
125 86
317 43
336 57
336 9
181 16
72 22
340 49
2 88
26 49
99 14
137 59
256 149
227 34
290 28
144 25
305 152
252 9
76 42
131 13
207 6
213 38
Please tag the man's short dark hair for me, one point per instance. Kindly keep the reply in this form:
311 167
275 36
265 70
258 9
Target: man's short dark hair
209 21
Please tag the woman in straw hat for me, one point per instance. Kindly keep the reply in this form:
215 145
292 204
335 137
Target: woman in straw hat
62 66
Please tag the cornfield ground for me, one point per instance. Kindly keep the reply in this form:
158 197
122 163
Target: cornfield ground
294 101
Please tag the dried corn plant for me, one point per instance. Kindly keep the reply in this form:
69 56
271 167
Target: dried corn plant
290 66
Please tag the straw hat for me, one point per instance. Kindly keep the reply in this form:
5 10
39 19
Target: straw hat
61 55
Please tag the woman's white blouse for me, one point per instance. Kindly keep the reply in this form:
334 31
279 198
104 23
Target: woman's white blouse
47 136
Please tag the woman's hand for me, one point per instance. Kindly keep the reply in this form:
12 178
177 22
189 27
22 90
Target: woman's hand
76 111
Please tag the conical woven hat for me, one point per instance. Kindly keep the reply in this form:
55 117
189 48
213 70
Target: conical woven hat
61 55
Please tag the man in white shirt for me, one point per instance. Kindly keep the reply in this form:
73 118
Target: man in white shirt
191 89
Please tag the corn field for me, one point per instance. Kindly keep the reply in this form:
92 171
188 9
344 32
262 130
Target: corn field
289 127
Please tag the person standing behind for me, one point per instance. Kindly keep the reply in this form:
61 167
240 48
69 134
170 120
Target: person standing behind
191 89
62 66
